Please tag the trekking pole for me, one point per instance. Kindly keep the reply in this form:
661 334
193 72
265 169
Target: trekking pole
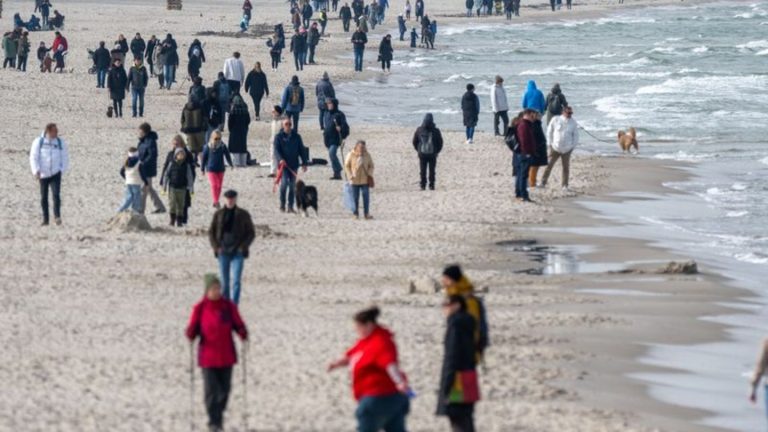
245 384
192 386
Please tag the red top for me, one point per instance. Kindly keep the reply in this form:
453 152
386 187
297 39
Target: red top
368 361
59 40
526 137
214 322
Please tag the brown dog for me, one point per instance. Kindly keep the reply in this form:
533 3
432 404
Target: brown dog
627 140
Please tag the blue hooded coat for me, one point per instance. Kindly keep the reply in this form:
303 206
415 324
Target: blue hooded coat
534 98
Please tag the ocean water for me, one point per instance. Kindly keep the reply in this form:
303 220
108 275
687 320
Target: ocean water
693 80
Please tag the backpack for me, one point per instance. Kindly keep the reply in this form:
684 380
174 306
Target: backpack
485 341
426 146
556 105
342 120
295 95
511 140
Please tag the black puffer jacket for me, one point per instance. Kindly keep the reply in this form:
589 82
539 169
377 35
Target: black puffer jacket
459 356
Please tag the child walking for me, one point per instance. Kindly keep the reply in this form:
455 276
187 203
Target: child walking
215 153
134 180
178 180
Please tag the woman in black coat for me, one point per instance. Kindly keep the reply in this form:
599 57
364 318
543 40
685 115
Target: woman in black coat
459 356
470 109
238 122
117 81
256 86
385 53
540 157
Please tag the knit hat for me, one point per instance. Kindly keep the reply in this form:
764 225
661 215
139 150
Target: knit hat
210 280
453 272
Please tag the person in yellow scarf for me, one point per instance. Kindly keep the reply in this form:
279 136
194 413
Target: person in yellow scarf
456 283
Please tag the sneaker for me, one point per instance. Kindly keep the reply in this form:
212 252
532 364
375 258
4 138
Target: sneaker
468 142
58 221
368 217
471 141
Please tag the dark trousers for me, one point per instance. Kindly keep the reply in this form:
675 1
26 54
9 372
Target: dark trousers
463 422
345 23
522 165
117 107
234 85
312 53
386 64
503 116
257 103
217 382
427 164
298 59
294 116
54 183
9 61
22 63
275 59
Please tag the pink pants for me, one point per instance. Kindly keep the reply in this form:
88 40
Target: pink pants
216 179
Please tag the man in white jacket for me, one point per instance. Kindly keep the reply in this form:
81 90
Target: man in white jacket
499 105
234 71
49 159
563 137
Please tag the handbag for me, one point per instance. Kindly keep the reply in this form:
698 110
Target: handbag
371 182
465 389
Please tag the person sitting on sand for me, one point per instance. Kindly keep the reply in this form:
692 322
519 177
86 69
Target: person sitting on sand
230 235
134 180
213 321
455 282
428 143
379 386
359 169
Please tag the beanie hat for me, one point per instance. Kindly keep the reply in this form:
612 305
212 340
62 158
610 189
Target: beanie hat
453 272
210 280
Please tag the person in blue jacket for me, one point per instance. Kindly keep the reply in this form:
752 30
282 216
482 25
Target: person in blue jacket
534 98
402 27
291 154
293 102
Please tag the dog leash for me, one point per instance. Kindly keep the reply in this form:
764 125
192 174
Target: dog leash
596 138
279 176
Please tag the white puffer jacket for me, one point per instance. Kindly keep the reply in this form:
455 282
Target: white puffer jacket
563 134
48 156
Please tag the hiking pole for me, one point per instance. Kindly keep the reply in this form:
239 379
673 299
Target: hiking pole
244 350
191 386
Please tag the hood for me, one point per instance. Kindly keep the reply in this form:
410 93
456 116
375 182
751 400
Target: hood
532 85
462 287
556 89
429 121
295 80
151 136
326 77
132 160
334 101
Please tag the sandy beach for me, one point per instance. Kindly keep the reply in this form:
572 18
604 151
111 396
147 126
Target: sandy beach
91 319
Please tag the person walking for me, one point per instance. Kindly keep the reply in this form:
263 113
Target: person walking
401 27
323 91
195 59
428 143
533 98
555 103
238 123
758 376
516 6
313 39
138 80
323 20
306 15
150 54
224 92
134 181
563 138
23 52
256 85
456 283
292 102
193 125
291 153
148 158
386 53
117 82
526 138
458 366
335 131
470 110
275 51
101 60
170 61
247 8
297 47
419 6
178 179
234 72
540 153
378 384
345 13
138 46
213 321
359 169
359 39
499 105
158 58
49 160
215 154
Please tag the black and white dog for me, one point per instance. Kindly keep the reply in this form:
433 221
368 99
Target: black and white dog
306 198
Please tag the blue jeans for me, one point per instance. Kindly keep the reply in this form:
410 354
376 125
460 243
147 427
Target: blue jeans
385 413
137 95
287 187
522 164
470 132
131 199
231 265
169 73
333 155
101 77
365 191
359 59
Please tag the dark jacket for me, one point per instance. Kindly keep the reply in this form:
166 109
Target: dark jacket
526 137
556 101
151 45
324 90
459 355
117 81
290 148
170 158
256 84
101 58
359 39
540 152
314 37
331 120
196 44
148 155
169 50
178 175
385 50
138 78
345 13
123 45
298 43
470 108
237 123
424 133
192 119
137 47
215 157
243 231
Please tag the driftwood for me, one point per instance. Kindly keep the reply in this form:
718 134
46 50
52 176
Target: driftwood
172 4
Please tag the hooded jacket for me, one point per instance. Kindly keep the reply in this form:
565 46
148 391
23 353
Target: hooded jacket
237 123
324 90
459 355
178 173
48 156
424 133
499 98
563 134
148 154
331 120
470 108
287 104
368 362
385 49
214 322
534 98
555 96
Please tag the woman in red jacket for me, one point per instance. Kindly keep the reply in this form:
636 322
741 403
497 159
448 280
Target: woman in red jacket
214 319
379 386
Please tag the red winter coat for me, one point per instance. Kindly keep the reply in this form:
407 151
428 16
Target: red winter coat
214 322
368 361
60 40
526 137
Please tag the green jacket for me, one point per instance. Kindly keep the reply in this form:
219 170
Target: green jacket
10 46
